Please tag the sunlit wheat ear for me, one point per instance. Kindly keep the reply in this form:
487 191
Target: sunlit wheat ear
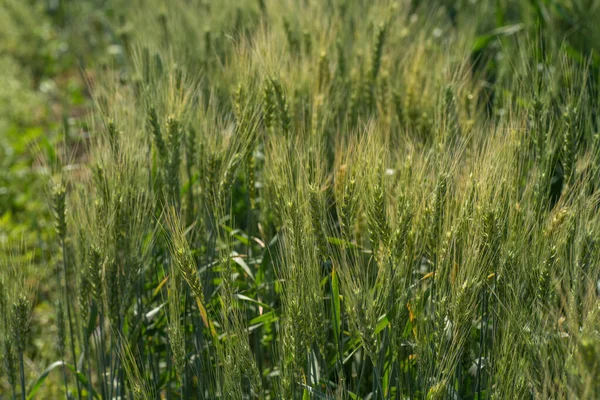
399 236
3 303
20 328
345 188
174 140
268 105
239 104
307 39
323 75
59 208
229 175
292 37
83 297
251 180
134 373
569 145
383 91
93 273
191 149
282 112
175 329
157 135
184 262
316 213
450 115
112 291
211 178
9 360
61 338
438 211
113 136
377 218
377 51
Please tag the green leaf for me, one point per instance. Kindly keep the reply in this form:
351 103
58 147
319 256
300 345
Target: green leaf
240 261
308 391
508 30
91 325
246 298
484 40
40 380
335 298
481 42
306 395
45 144
341 242
160 286
382 324
37 385
264 319
242 238
351 347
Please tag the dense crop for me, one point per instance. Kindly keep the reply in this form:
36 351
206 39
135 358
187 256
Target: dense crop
326 200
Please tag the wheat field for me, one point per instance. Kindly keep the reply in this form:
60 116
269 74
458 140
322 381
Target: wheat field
302 199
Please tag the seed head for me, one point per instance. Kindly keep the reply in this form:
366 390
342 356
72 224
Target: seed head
316 217
282 107
59 197
229 175
269 105
3 300
377 51
174 138
21 322
239 102
93 273
157 133
569 145
113 135
9 361
60 324
348 209
323 74
307 42
377 219
341 64
251 181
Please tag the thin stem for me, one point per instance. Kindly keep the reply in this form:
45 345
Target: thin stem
102 358
72 336
89 364
362 370
481 342
22 370
64 369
